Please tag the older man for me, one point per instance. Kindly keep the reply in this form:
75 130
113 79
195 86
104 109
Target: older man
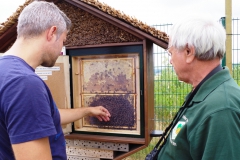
207 127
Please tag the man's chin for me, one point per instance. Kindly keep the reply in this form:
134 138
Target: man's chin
48 64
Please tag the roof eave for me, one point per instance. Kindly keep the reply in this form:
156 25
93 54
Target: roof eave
117 22
8 38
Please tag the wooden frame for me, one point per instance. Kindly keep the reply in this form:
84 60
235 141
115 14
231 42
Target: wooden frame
130 64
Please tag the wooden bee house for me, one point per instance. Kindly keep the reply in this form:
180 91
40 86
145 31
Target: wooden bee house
108 62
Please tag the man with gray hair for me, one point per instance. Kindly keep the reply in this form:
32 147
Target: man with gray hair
207 126
30 122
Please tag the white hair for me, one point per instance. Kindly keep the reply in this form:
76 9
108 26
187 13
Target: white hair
205 35
39 16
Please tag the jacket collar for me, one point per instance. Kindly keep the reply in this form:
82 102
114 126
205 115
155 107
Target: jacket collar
211 84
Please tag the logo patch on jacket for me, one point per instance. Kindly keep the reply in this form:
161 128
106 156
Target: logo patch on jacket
177 129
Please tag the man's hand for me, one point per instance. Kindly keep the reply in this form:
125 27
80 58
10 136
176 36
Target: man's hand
71 115
100 112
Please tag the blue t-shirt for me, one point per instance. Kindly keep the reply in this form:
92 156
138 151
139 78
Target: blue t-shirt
27 109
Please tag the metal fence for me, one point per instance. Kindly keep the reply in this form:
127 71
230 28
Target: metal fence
169 92
236 49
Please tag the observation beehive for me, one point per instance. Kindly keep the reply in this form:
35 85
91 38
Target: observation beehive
111 81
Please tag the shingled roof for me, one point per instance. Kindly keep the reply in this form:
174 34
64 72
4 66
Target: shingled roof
8 28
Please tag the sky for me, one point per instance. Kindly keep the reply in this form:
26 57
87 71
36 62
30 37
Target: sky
151 12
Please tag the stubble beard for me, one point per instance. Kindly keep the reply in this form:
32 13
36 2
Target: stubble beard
49 61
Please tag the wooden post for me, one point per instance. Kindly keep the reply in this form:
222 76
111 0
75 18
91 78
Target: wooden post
228 13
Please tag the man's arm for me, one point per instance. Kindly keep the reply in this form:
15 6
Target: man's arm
37 149
71 115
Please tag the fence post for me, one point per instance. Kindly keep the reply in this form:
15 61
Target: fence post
228 25
222 19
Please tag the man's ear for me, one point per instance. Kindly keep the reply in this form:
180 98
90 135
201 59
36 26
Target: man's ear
190 54
51 33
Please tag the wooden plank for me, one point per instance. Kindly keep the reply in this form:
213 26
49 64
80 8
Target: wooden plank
81 158
76 88
69 142
133 149
98 145
101 138
149 89
106 45
86 152
118 155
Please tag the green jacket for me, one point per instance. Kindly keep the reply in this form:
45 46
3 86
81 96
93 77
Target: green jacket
210 127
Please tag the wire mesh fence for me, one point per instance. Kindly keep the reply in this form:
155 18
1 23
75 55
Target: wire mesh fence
236 49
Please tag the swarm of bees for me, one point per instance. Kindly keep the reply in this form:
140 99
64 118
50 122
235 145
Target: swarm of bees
121 110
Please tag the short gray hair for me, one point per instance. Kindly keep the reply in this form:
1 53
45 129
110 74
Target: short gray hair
205 35
39 16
